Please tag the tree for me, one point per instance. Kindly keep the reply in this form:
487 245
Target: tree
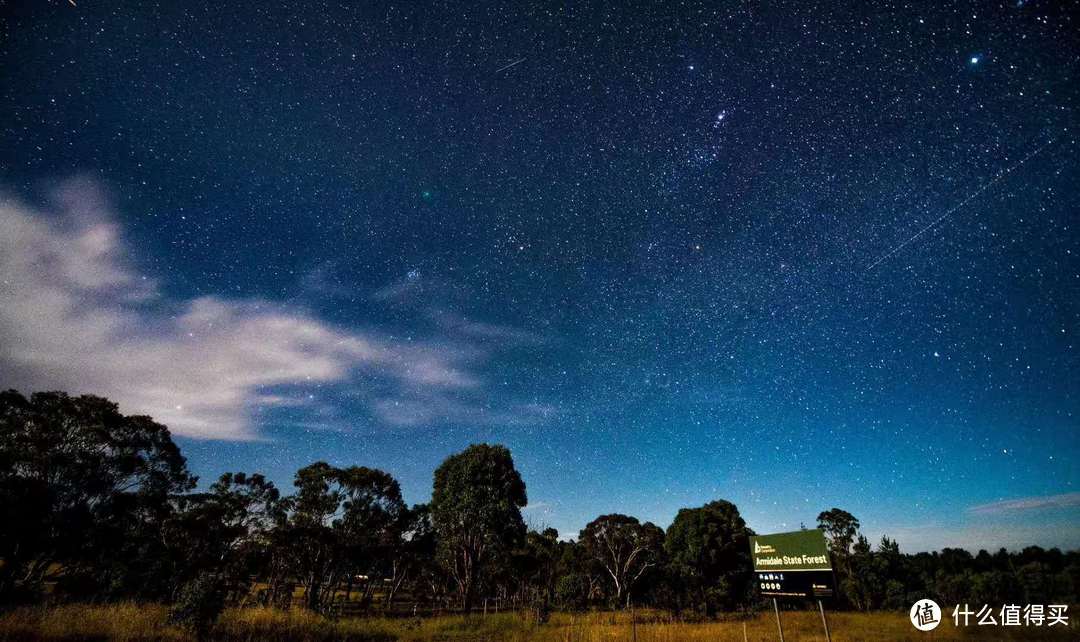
543 550
572 592
250 507
369 526
308 540
863 580
476 510
575 560
340 529
709 552
224 534
625 548
840 528
85 489
200 602
412 551
530 578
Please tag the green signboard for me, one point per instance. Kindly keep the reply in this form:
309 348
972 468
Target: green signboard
792 564
797 551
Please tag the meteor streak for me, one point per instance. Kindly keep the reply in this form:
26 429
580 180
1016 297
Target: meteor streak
956 207
519 60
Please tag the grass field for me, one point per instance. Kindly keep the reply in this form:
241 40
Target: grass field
131 622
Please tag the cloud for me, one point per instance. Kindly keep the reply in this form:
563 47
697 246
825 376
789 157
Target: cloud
483 332
972 537
419 289
427 409
1024 504
543 507
76 313
994 525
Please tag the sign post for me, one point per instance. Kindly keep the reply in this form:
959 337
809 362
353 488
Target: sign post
793 565
779 627
824 621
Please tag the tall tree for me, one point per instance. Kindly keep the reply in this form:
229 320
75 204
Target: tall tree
625 548
340 527
309 540
840 528
250 506
86 489
225 532
476 510
368 526
412 551
709 551
220 539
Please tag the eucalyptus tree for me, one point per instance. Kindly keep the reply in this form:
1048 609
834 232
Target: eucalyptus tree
340 529
625 548
84 492
476 510
709 552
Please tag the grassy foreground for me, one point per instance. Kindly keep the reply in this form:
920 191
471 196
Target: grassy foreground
132 622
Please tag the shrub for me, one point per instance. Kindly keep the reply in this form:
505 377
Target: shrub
572 592
199 603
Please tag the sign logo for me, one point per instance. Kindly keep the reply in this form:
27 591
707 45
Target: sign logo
925 615
759 548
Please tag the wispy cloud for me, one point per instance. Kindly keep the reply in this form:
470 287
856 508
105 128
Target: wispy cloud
418 289
972 537
483 332
994 525
77 313
1025 504
420 409
543 507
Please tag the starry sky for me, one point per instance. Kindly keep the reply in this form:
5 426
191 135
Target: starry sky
792 254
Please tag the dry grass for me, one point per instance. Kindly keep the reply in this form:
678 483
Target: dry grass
125 622
147 623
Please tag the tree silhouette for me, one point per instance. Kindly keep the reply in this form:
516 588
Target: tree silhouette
82 488
709 549
625 548
476 509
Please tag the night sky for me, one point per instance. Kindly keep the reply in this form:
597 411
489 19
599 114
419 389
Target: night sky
795 255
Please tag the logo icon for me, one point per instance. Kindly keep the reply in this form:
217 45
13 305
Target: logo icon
925 615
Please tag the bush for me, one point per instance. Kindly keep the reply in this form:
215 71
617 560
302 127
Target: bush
199 604
572 592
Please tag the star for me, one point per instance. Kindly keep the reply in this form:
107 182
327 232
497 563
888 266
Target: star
452 236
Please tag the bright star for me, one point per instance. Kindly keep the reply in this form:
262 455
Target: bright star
974 60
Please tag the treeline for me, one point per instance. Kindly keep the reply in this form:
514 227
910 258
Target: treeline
95 505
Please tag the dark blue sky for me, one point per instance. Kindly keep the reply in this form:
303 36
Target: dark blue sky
675 253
